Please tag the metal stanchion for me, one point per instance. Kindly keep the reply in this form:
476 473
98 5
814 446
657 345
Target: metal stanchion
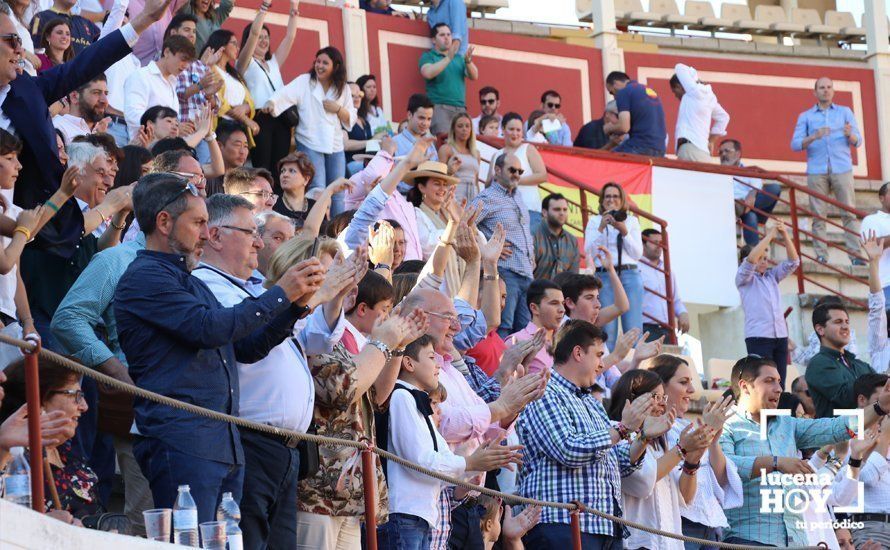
32 391
369 483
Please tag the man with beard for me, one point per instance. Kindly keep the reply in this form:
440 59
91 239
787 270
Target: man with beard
556 250
87 114
180 342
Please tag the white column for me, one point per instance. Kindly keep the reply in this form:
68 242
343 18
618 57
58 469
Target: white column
355 38
875 23
605 37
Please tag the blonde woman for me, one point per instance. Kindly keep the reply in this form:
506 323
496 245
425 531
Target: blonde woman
462 144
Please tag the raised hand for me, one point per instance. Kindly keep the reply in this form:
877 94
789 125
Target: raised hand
717 413
339 185
419 152
697 440
380 244
465 244
491 250
416 324
151 12
493 455
515 527
861 448
511 360
29 219
538 342
516 395
635 412
646 350
101 127
301 281
468 57
388 144
339 277
210 57
873 246
56 427
657 426
604 257
625 342
454 164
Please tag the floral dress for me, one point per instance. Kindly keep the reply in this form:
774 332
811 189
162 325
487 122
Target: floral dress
75 482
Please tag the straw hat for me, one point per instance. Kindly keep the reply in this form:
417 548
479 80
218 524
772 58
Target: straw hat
430 169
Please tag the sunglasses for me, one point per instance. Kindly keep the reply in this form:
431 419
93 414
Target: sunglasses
515 171
488 101
190 187
12 40
553 105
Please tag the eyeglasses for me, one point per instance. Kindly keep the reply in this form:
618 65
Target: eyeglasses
488 101
254 234
194 178
515 171
190 187
12 40
614 197
452 318
553 105
266 195
77 394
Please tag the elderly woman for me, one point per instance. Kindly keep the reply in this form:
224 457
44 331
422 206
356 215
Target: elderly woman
60 395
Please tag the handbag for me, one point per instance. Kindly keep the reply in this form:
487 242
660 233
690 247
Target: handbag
309 459
291 116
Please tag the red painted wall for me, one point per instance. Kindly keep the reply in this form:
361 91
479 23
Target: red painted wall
519 81
763 117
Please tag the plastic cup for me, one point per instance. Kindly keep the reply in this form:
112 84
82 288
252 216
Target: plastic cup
158 523
213 535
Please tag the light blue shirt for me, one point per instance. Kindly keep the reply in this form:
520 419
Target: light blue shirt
742 444
87 306
405 141
454 14
829 154
473 326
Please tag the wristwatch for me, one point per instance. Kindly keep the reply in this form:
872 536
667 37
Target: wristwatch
384 349
210 137
302 311
490 277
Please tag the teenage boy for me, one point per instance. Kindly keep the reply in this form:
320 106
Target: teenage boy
413 498
546 307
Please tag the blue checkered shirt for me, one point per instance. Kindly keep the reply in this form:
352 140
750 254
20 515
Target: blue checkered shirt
569 456
486 387
506 207
741 443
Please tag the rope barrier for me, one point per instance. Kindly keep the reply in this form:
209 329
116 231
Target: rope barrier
359 445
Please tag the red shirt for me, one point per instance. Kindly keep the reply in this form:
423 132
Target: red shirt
488 352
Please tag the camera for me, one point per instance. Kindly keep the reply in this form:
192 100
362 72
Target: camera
618 215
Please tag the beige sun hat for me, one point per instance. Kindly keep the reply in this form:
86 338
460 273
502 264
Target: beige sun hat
430 169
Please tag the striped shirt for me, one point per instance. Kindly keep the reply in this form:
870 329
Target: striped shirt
742 444
500 205
569 456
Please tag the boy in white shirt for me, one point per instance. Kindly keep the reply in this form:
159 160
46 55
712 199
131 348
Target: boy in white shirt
414 497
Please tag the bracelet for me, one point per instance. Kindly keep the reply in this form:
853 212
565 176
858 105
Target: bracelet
100 214
879 410
52 205
398 352
681 451
118 227
24 231
689 468
855 462
383 266
623 431
490 277
384 349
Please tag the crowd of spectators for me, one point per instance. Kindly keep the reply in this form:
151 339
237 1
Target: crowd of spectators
178 217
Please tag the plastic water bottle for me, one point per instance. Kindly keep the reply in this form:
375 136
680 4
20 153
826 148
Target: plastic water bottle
18 479
229 512
185 519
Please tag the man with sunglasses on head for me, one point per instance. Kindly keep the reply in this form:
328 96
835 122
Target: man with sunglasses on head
551 104
182 343
502 205
24 104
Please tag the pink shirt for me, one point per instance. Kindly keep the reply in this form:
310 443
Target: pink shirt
148 48
543 361
396 208
465 420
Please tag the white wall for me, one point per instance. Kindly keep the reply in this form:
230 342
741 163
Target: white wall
700 212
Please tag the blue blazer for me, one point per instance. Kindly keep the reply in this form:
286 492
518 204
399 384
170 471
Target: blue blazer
26 105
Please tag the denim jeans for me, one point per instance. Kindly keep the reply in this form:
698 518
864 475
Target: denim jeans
404 532
699 531
515 315
269 501
167 468
558 536
771 348
635 150
752 218
632 281
354 167
328 168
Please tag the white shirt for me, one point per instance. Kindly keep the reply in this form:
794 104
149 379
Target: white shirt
878 343
842 492
318 130
875 474
740 191
146 88
263 84
411 492
654 305
116 76
700 114
879 222
632 242
5 123
8 281
71 126
711 498
653 503
236 93
377 119
278 389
